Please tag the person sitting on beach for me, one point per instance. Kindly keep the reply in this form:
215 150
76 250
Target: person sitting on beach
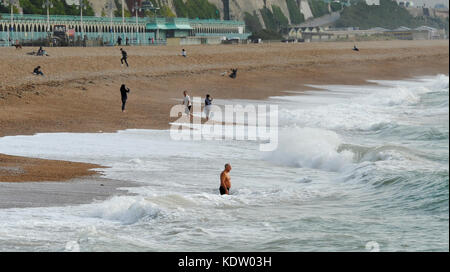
183 53
124 93
233 73
225 180
355 48
208 103
41 52
124 57
187 103
37 71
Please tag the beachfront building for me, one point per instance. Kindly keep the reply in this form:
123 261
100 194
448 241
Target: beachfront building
98 31
178 31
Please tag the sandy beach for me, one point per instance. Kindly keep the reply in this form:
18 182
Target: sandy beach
80 89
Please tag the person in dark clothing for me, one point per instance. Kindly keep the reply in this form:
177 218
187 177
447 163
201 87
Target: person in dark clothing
127 41
355 48
208 104
124 57
40 51
233 73
37 71
119 41
124 93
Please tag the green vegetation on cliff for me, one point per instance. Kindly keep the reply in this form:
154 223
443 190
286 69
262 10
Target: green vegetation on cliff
294 12
318 8
201 9
388 15
268 19
252 22
163 11
276 20
335 6
266 34
118 12
59 8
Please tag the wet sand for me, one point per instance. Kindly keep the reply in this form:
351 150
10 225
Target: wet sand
49 194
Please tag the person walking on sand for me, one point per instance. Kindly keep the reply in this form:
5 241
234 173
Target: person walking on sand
37 71
124 57
187 103
225 180
208 103
124 93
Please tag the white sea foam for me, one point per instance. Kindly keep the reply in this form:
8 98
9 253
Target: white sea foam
335 146
127 210
312 148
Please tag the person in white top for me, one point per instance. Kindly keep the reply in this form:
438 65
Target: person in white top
187 103
183 53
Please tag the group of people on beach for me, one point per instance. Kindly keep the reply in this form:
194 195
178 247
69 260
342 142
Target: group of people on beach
225 180
187 102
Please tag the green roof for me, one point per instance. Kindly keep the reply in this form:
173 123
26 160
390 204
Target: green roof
169 24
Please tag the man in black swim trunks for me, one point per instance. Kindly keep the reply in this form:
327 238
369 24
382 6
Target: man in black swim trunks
225 180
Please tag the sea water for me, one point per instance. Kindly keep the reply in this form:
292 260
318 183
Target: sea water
356 168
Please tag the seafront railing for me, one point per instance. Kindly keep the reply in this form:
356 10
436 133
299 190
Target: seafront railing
31 29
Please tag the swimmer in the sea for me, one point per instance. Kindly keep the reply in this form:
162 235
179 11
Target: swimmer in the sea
225 180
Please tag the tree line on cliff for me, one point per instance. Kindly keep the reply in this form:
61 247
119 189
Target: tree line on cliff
59 7
387 15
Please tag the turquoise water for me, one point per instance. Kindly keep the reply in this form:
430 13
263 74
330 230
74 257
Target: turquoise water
357 168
